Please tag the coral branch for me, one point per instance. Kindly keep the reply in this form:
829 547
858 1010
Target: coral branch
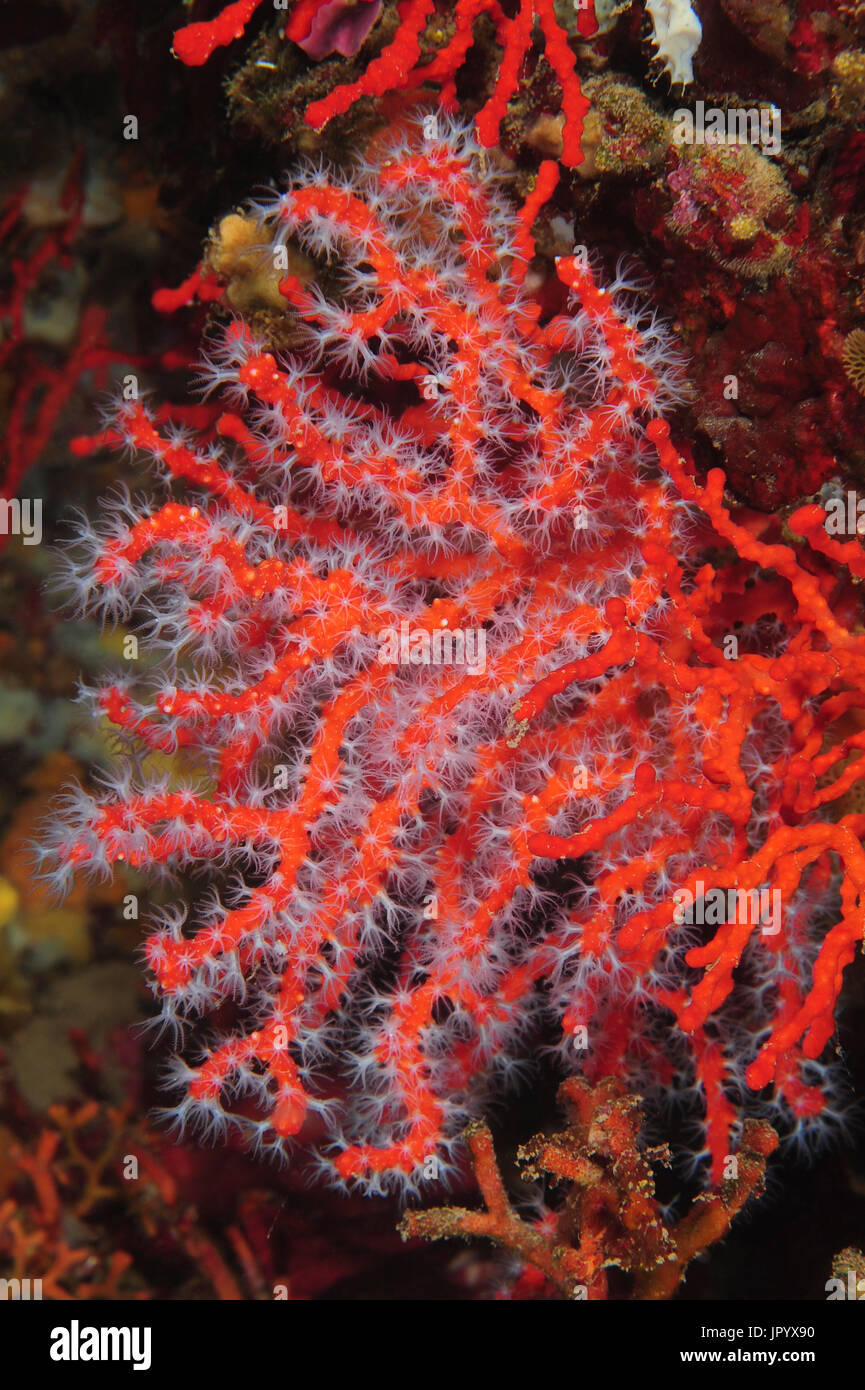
195 43
609 1216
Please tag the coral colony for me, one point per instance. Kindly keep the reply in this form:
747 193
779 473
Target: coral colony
606 824
321 28
395 68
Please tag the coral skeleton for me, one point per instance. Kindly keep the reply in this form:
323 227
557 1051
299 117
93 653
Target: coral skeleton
610 1217
426 875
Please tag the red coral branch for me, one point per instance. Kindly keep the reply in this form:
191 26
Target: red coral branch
195 43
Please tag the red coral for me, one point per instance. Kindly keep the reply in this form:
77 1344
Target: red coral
195 43
96 1205
51 1185
41 387
469 712
397 67
41 378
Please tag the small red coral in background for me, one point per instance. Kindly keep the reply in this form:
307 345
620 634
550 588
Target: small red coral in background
41 385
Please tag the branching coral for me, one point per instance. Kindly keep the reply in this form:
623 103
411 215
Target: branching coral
443 624
432 43
609 1217
49 1187
40 389
397 65
86 1172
